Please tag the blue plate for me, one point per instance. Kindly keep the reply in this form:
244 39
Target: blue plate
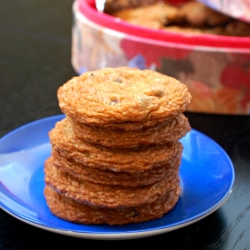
207 177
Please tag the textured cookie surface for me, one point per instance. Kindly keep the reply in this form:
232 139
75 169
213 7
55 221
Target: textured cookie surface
73 211
116 96
106 195
139 159
108 177
169 131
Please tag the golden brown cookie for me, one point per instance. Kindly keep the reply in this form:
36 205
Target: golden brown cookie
158 15
70 210
199 15
63 139
123 97
169 131
237 28
109 177
110 196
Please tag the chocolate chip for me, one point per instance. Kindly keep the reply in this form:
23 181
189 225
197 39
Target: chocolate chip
134 213
114 100
118 80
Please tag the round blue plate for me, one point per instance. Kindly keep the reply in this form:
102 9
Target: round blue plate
207 177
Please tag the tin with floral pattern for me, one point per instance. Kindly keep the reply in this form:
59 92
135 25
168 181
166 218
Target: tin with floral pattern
215 68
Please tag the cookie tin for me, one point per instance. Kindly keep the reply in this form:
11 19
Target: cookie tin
215 68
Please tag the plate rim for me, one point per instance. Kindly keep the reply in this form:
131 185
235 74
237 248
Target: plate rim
119 235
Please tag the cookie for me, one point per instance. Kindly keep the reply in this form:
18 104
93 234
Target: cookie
63 139
123 97
108 177
158 15
199 15
70 210
110 196
170 131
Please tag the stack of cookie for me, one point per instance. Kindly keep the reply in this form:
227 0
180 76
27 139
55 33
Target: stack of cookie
116 156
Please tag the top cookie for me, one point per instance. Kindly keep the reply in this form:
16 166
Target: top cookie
123 96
